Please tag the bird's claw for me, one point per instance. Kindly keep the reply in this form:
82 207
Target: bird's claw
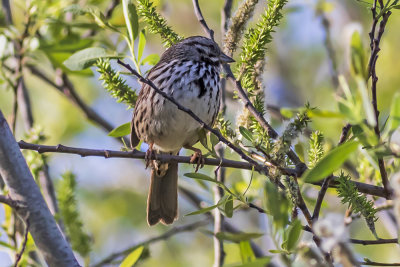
198 159
150 154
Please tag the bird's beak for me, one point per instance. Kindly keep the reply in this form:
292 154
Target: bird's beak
225 59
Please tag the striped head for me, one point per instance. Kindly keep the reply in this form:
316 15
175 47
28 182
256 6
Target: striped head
197 48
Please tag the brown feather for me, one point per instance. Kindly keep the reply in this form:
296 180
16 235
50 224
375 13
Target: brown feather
162 201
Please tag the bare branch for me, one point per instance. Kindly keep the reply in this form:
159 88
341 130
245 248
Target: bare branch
373 263
257 167
84 152
18 256
18 178
200 17
65 86
175 230
300 166
374 242
374 44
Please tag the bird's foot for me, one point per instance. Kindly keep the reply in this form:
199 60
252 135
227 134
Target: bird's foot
197 158
150 154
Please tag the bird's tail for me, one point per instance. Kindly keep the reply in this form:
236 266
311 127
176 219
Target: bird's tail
162 201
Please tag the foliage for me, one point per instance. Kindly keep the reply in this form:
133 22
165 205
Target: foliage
115 85
157 24
357 202
316 150
254 45
69 214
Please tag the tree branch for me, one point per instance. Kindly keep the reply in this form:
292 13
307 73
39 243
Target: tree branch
201 19
374 44
65 86
18 178
84 152
374 242
373 263
175 230
219 253
18 256
257 167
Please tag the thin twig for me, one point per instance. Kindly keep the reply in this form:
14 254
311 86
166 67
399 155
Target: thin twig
10 202
300 166
258 167
374 242
219 253
197 201
374 44
175 230
84 152
200 17
18 256
65 86
373 263
107 14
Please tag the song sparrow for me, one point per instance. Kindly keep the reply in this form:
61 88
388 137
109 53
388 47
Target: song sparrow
189 72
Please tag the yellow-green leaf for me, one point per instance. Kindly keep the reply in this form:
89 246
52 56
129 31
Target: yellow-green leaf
330 162
132 258
131 19
121 130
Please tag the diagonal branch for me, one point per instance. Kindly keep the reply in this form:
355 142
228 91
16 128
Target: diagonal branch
65 86
257 167
22 187
201 19
174 231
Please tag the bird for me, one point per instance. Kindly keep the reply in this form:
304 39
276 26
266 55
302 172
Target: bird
188 71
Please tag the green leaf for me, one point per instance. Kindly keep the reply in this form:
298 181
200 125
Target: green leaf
141 45
132 258
121 130
131 19
69 44
203 137
86 58
368 109
357 55
214 140
277 205
221 202
394 118
229 207
151 59
246 133
246 252
201 211
330 162
294 232
237 237
286 112
195 175
276 251
312 113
